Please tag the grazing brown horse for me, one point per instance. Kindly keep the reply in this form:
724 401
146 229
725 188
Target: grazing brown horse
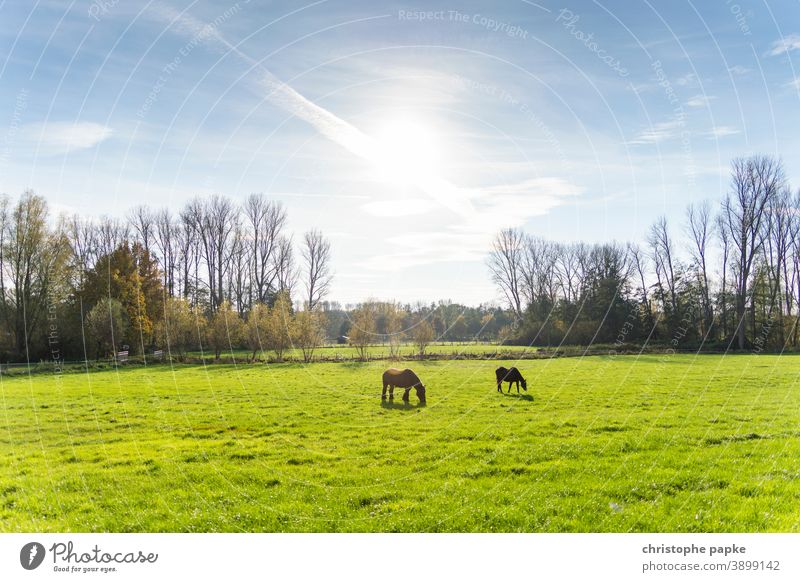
511 376
402 379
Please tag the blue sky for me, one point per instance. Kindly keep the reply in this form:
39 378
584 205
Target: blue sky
408 132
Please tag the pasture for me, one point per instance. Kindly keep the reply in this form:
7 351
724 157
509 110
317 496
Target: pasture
330 352
654 443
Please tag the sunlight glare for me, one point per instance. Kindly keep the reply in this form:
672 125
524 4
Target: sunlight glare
408 151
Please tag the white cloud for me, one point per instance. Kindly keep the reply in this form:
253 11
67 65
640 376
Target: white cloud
738 70
498 207
657 133
404 207
721 131
794 84
700 100
786 44
668 130
688 80
58 138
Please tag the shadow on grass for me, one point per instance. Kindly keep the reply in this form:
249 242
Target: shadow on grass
400 405
528 397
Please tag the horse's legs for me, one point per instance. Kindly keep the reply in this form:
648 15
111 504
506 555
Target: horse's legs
391 391
517 386
405 395
499 385
509 387
383 394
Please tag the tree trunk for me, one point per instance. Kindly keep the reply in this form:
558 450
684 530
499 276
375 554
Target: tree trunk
740 317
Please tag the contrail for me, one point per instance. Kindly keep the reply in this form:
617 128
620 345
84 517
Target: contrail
325 122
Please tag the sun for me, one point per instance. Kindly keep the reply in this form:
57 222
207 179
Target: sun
407 151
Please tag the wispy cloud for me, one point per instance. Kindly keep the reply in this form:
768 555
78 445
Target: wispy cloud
668 130
657 133
688 80
795 84
698 101
721 131
469 240
58 138
400 207
325 122
738 70
786 44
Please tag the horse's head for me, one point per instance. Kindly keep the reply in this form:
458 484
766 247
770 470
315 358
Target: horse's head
421 393
524 385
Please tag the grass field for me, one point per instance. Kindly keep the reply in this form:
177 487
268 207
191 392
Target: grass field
655 443
347 352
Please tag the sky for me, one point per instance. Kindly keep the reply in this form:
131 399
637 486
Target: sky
410 133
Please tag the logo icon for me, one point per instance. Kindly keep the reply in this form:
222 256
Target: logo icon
31 555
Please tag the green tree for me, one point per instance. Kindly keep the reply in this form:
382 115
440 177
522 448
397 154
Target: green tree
33 274
180 328
225 330
130 275
423 334
393 317
309 331
257 328
362 328
281 325
108 325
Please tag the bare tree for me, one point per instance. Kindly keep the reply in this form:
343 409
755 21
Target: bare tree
700 226
755 181
662 253
265 220
286 276
111 233
795 250
725 243
505 264
142 220
189 250
583 257
637 260
539 270
567 271
777 245
5 239
218 219
316 259
239 283
166 243
82 238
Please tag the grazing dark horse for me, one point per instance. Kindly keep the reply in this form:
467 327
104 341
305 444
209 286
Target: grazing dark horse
511 376
402 379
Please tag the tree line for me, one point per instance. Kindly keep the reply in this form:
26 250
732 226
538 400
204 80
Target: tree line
74 287
217 275
394 324
213 276
727 277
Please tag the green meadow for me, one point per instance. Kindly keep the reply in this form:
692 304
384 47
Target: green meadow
598 444
377 351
